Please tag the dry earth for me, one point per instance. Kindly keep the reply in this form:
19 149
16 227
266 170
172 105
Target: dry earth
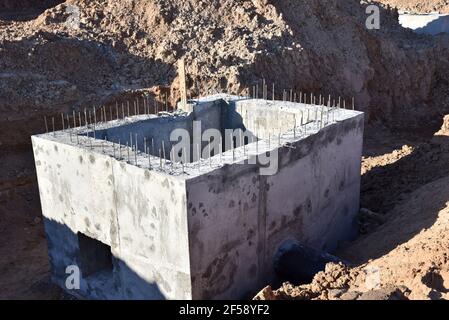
420 6
125 49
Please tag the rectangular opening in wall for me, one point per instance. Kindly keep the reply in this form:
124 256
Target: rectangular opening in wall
95 256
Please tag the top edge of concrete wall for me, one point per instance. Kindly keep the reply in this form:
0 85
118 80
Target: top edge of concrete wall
78 137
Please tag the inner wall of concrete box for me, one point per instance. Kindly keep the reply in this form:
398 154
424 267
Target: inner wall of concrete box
153 135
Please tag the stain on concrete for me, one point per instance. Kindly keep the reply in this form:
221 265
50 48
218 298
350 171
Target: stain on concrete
165 184
298 210
309 208
253 198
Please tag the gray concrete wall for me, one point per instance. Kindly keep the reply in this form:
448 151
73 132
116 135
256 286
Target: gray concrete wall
156 130
138 213
432 23
313 198
270 118
223 227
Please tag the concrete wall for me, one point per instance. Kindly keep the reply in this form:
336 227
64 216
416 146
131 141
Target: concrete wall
432 23
223 226
268 118
138 213
313 198
158 129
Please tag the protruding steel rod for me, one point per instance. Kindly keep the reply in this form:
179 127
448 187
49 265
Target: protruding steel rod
127 148
199 156
221 150
163 152
152 146
294 126
184 153
210 156
46 124
160 159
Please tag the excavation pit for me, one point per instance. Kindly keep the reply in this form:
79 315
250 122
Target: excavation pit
184 226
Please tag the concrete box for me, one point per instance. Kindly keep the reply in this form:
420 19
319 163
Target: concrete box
139 226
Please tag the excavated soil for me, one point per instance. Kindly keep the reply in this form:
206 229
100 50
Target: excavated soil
58 61
419 6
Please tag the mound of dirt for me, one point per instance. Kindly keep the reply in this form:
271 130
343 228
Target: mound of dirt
419 6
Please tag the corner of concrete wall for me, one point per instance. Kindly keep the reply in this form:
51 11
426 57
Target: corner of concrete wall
223 228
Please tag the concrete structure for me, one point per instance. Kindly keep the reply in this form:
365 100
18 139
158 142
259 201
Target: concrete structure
143 227
432 23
